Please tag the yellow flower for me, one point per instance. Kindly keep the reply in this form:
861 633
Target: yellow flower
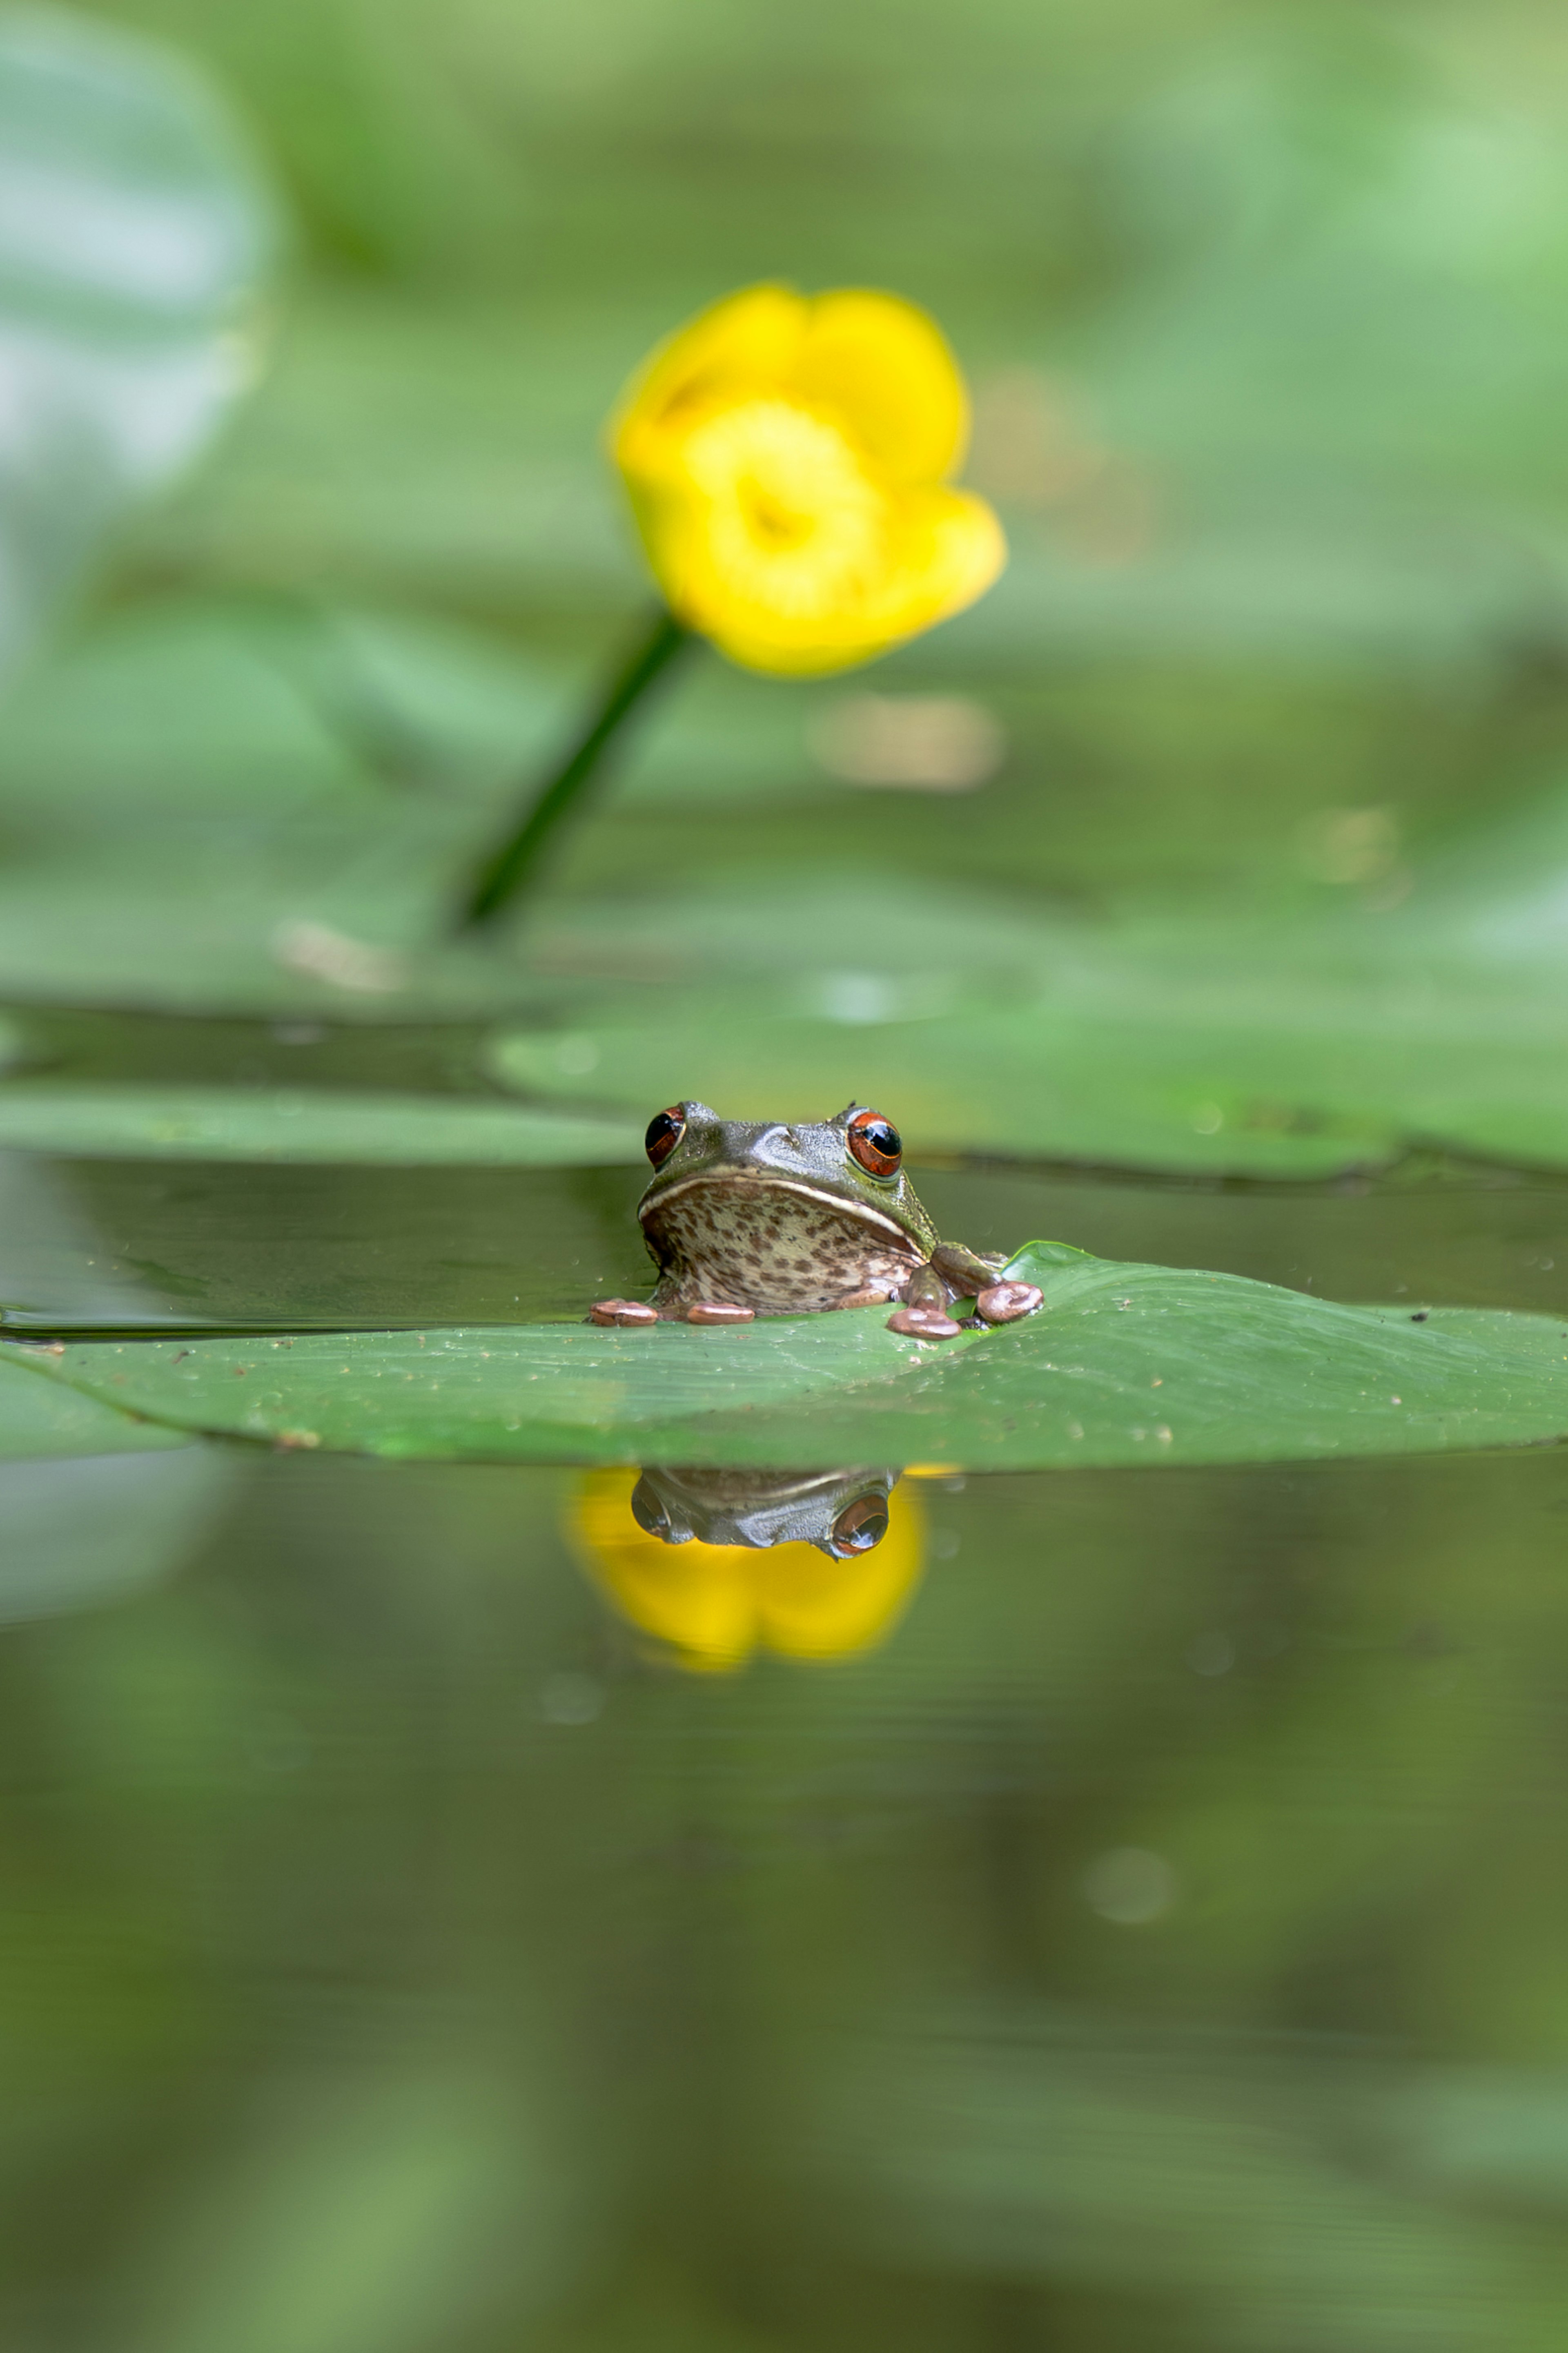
788 460
715 1604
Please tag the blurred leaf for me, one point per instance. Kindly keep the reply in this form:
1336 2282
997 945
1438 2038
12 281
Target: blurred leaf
252 708
236 1123
135 238
1317 423
1124 1364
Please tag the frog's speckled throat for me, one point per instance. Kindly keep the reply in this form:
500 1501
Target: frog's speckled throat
776 1245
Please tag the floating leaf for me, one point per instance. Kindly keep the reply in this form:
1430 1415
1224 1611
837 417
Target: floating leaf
1124 1364
134 238
239 1124
46 1418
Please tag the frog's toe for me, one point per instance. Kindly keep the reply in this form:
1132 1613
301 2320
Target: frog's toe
718 1311
924 1323
622 1311
1004 1303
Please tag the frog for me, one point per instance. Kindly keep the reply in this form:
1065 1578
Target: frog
747 1218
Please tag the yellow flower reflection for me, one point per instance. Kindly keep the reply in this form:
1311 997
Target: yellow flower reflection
788 460
714 1605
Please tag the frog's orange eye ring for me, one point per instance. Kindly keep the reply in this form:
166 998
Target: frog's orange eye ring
859 1527
876 1144
665 1131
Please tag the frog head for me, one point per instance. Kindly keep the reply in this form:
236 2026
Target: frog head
842 1513
783 1220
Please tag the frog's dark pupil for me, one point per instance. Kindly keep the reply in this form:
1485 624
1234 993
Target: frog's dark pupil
876 1144
861 1525
665 1131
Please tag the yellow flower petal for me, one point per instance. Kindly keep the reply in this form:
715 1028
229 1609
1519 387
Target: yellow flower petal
887 368
750 339
872 569
785 461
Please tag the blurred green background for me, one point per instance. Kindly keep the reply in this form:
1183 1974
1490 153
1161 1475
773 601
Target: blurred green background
1265 312
1233 821
1157 1942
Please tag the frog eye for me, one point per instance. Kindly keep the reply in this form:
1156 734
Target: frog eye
876 1144
648 1511
665 1131
859 1527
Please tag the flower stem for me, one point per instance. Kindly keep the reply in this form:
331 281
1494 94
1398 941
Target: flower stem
510 866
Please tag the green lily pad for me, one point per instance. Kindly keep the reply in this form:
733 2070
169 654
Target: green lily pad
236 1123
46 1417
1125 1365
136 239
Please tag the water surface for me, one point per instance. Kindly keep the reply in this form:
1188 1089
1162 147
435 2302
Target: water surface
1139 1922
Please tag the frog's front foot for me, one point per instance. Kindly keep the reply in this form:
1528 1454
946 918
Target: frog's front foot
924 1315
924 1323
641 1311
1004 1303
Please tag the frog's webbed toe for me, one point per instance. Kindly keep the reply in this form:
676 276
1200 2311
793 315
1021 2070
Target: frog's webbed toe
1004 1303
718 1311
622 1311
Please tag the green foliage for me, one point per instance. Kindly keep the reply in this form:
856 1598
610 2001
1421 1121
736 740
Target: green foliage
39 1420
1123 1365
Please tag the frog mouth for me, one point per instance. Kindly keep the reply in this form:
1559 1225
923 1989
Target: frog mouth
746 1181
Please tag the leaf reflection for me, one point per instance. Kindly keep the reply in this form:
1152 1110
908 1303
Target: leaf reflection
718 1565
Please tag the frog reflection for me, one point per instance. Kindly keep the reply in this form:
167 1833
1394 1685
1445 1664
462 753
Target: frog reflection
720 1564
842 1513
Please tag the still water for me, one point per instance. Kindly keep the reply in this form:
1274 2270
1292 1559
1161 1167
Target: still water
1118 1910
